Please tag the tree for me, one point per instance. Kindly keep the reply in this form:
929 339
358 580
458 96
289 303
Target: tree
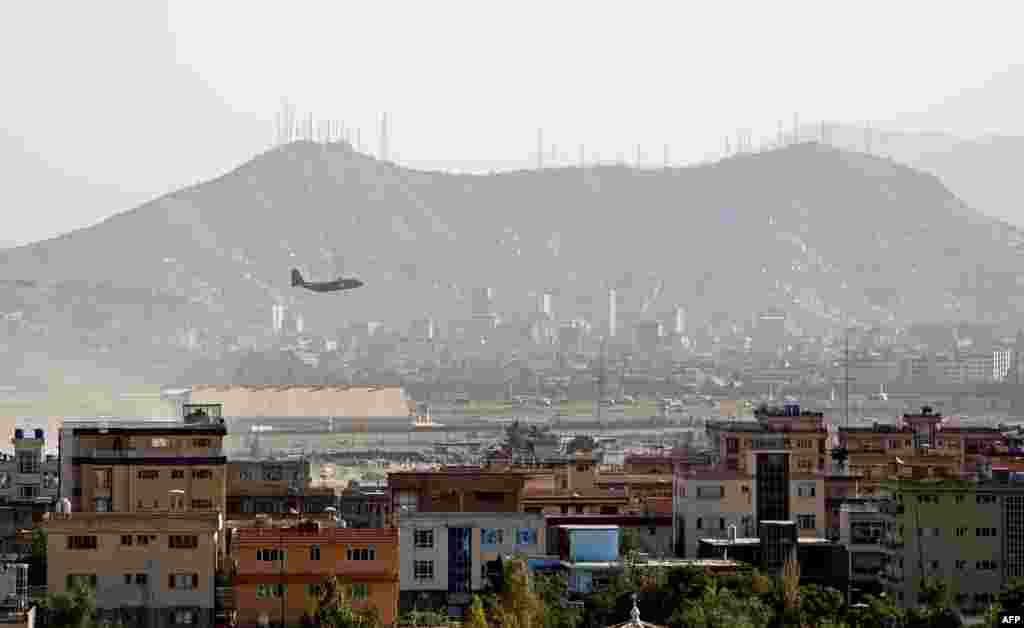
476 618
334 608
37 558
518 605
74 609
629 542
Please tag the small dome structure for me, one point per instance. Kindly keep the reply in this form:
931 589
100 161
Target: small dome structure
634 619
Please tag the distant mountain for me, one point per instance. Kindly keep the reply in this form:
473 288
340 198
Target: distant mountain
809 228
981 171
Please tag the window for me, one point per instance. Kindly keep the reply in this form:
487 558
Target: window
934 564
182 617
126 539
159 442
526 536
103 478
700 523
183 581
28 490
141 579
961 531
245 475
959 499
360 591
179 541
202 504
270 554
985 532
961 564
144 539
201 442
424 539
81 542
806 522
28 462
314 552
361 553
177 474
423 569
492 536
149 474
710 492
805 490
101 504
986 499
986 565
928 532
269 590
202 474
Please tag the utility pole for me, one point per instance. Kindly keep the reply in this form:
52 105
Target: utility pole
666 156
384 137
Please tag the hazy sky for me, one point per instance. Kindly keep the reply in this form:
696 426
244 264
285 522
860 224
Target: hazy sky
110 103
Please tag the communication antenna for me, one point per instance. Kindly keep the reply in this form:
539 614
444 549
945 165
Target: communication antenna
796 128
583 161
639 156
384 137
666 156
540 149
781 140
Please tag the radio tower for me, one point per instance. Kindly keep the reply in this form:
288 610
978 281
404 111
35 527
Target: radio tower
540 149
384 137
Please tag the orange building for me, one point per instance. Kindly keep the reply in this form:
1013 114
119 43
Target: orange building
280 569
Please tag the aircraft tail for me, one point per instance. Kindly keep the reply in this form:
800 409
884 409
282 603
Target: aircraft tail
297 278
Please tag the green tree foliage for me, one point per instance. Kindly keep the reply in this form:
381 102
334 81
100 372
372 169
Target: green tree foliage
74 609
518 604
629 542
37 558
476 618
334 608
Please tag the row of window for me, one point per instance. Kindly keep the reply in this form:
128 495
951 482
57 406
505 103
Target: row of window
423 570
961 531
174 541
160 443
958 499
351 553
175 581
357 591
176 474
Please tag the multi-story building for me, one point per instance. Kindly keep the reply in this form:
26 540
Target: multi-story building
802 433
969 535
365 504
862 529
274 486
708 503
280 569
148 569
28 487
143 507
456 489
926 445
446 556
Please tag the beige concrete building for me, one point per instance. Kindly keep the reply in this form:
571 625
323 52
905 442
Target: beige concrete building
140 518
148 569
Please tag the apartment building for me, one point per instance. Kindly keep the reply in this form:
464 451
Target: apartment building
448 556
142 507
151 569
280 570
802 433
862 529
926 445
28 487
969 535
706 504
274 487
457 489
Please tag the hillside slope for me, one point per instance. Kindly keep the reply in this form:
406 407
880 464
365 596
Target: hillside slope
811 228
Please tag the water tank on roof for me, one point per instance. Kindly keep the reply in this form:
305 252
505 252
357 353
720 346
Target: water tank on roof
39 434
19 433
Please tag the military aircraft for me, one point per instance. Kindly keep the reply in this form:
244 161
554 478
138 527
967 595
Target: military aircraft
324 286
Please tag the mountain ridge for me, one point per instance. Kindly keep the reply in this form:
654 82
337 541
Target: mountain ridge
785 228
